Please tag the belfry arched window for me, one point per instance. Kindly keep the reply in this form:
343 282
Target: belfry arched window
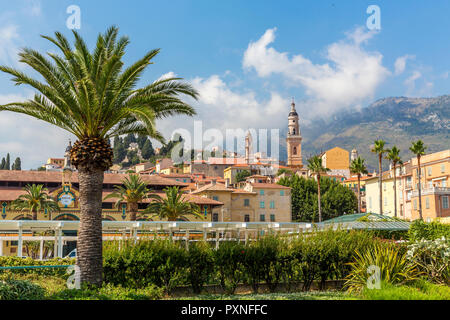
295 150
293 131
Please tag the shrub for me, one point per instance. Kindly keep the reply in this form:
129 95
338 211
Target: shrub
11 289
262 261
433 258
110 292
200 260
22 262
325 254
143 263
428 230
228 259
392 262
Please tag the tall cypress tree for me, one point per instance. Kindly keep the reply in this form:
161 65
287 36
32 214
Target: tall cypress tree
147 150
3 164
17 164
141 140
8 162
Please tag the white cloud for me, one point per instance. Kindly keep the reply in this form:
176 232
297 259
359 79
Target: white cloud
400 63
32 140
167 75
9 43
220 106
349 79
410 82
33 8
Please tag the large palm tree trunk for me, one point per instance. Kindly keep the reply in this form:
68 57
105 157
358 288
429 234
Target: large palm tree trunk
318 198
359 193
133 211
420 189
395 192
89 244
34 216
380 182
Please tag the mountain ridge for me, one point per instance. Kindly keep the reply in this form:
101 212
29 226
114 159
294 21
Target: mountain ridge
397 120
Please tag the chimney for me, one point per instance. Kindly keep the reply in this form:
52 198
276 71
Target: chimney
213 182
227 183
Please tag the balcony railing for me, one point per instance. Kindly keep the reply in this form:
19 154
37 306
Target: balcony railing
434 190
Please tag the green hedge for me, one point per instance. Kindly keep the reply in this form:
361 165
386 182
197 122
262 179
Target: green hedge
22 262
270 259
428 230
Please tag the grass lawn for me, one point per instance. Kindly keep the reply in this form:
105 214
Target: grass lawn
56 288
314 295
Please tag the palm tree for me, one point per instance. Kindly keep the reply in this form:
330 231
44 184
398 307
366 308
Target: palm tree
316 168
393 156
92 96
418 148
173 206
379 149
133 191
359 168
34 200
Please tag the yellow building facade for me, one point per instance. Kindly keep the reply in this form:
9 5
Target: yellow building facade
336 159
255 202
435 185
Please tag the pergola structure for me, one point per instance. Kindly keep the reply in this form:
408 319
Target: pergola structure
22 230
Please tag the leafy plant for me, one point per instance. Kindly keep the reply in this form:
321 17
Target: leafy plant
393 265
433 258
201 265
229 259
428 230
11 289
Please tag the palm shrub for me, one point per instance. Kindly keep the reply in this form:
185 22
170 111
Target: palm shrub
229 260
35 199
92 96
394 266
200 260
174 206
134 190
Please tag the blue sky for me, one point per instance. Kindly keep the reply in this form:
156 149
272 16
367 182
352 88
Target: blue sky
247 58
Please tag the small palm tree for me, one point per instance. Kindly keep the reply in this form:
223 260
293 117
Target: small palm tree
393 156
133 191
379 149
418 148
359 168
34 200
173 207
316 168
95 97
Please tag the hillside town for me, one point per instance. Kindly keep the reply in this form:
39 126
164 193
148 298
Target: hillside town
243 188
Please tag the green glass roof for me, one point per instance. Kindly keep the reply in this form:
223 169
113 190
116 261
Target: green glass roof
371 221
359 217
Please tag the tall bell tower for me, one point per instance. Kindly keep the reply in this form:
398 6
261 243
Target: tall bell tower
294 139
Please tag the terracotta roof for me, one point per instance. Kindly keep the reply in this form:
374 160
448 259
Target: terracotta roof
10 194
269 186
226 161
213 187
52 176
188 197
175 175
